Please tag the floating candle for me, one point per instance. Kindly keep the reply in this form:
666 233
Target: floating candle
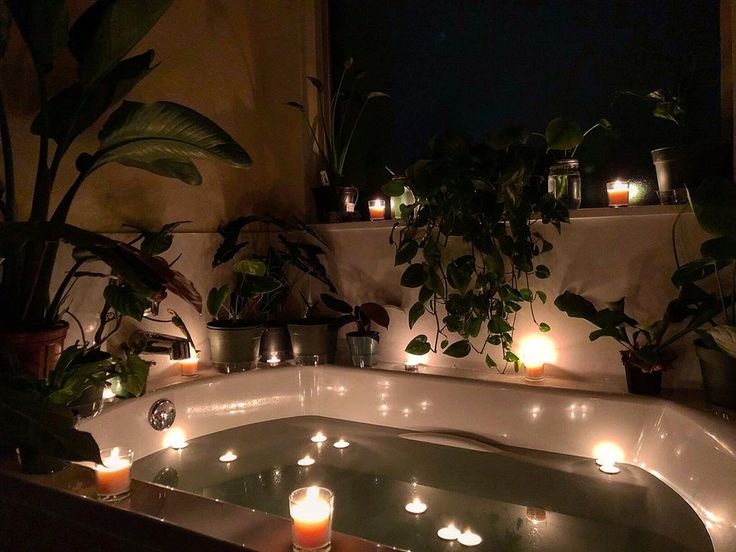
449 532
610 469
175 439
311 514
416 506
113 475
468 538
306 461
319 437
179 445
341 444
229 456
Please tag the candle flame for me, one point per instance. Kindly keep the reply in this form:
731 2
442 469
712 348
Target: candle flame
312 492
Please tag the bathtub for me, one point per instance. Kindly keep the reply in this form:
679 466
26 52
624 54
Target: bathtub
691 451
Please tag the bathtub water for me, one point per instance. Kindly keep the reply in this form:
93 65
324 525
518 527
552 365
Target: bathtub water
678 463
516 499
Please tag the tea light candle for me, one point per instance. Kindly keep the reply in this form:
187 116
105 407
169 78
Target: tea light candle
468 538
274 360
536 515
108 394
311 513
341 444
618 193
113 475
534 352
416 506
306 461
449 532
610 468
319 437
377 209
229 456
534 372
189 367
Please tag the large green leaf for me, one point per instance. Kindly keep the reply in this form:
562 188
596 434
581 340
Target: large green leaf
216 299
576 306
714 204
458 349
250 267
43 25
415 313
376 313
108 30
722 249
724 338
6 22
563 134
144 135
126 301
335 304
418 346
133 373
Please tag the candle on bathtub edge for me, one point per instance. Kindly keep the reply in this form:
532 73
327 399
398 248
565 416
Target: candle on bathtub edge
618 193
189 367
311 513
377 209
534 372
274 360
113 475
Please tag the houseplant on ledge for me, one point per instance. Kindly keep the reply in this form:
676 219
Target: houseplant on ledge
160 137
363 343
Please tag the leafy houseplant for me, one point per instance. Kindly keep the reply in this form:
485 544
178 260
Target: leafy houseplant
714 203
333 131
294 260
470 240
363 343
161 137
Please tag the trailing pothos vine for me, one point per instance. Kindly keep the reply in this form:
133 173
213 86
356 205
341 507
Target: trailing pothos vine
471 241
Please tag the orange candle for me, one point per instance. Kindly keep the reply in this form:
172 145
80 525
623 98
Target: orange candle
377 209
618 193
534 371
311 513
113 475
189 366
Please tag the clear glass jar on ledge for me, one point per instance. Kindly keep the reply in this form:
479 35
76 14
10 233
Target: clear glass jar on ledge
565 183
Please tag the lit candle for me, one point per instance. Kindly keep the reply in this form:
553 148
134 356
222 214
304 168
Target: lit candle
311 514
536 515
229 456
413 362
175 439
113 475
618 193
306 461
108 394
534 352
416 506
189 367
449 532
377 209
319 437
468 538
274 360
609 468
341 444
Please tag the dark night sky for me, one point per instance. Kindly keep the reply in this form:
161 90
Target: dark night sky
475 65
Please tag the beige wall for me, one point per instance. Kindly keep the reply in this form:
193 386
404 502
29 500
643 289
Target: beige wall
236 61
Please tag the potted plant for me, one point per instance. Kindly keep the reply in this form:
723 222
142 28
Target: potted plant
333 131
647 350
363 343
714 203
292 261
468 241
160 137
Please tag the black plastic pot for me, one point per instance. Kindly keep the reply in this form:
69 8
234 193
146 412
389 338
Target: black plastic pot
275 341
719 375
331 201
683 166
639 381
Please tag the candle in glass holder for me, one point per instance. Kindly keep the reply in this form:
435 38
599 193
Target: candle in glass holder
377 209
113 475
618 193
189 367
311 514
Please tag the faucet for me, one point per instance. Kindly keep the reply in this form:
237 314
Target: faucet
176 347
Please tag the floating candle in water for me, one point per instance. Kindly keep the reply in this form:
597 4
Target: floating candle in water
274 360
113 475
306 461
450 533
229 456
319 437
416 506
341 444
175 439
179 445
468 538
610 469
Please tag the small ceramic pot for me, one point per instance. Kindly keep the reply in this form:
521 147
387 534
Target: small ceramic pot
719 375
234 348
363 348
39 350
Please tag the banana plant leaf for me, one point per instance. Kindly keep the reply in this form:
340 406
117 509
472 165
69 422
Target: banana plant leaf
43 26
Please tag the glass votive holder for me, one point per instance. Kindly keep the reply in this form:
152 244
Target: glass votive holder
618 193
113 475
534 372
311 514
377 209
189 367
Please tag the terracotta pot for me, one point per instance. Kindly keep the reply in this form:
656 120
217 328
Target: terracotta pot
37 350
641 378
719 375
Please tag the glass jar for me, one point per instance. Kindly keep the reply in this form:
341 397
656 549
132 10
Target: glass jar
564 182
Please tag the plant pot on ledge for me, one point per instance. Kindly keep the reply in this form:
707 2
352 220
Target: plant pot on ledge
641 378
234 348
37 350
363 348
313 341
719 375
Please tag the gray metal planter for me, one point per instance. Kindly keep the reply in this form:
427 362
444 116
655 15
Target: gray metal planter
719 375
312 341
363 348
234 348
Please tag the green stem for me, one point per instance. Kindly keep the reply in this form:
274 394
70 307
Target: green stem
344 153
7 149
720 292
42 191
56 302
62 210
